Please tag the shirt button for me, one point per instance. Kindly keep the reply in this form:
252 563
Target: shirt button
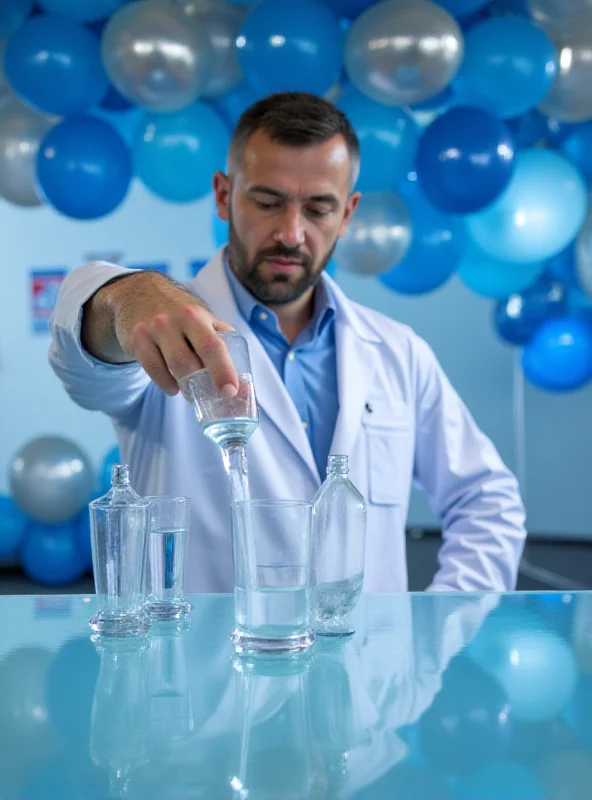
291 355
263 316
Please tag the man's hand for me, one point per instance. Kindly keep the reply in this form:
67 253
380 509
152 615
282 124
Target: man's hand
147 317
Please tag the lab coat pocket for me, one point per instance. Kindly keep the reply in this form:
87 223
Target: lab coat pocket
389 464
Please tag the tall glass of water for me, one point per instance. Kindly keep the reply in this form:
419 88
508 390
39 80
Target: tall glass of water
165 563
118 525
272 579
227 421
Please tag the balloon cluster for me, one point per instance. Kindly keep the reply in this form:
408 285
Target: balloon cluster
474 117
44 524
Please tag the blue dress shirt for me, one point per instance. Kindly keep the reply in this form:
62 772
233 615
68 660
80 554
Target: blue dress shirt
308 366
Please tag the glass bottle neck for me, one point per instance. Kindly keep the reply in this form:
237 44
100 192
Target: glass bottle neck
120 475
338 465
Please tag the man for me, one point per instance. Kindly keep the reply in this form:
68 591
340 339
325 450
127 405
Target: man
330 375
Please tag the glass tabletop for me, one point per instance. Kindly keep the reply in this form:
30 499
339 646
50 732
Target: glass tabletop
435 697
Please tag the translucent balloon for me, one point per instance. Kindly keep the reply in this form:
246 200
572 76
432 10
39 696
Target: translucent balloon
576 146
401 52
490 277
51 479
378 236
291 46
154 57
388 140
175 155
220 23
583 252
508 68
84 168
465 160
21 131
516 318
13 13
561 16
538 214
558 358
82 10
437 247
54 64
570 98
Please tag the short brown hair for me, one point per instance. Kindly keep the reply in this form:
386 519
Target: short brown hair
296 119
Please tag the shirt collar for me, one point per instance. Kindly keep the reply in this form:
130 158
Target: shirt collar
324 302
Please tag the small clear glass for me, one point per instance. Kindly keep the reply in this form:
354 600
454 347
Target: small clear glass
338 550
171 713
271 576
168 533
225 420
119 525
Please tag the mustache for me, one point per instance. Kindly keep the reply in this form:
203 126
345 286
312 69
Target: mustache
280 251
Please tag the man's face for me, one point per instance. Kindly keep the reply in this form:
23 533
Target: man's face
287 207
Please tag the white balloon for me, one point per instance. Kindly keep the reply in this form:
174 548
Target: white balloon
154 57
378 235
560 17
570 96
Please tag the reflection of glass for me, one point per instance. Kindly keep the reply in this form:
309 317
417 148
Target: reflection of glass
119 720
167 544
171 715
274 758
118 523
338 550
227 421
272 578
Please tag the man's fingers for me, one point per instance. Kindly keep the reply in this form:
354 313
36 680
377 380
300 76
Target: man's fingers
212 351
177 351
153 362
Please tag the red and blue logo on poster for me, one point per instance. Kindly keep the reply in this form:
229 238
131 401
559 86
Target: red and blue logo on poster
45 285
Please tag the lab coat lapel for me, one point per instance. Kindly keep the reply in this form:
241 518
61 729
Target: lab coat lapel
211 284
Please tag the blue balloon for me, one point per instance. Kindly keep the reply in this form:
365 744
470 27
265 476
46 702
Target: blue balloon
469 721
463 7
12 15
406 781
538 215
124 122
50 554
176 155
490 277
349 8
82 10
500 780
83 537
13 525
465 160
55 65
517 318
562 267
559 356
84 167
388 140
508 66
231 105
577 148
111 458
529 129
286 46
443 99
437 247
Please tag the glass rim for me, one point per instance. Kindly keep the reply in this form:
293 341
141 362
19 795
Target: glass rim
169 498
274 503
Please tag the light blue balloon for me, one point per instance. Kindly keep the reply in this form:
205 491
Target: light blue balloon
490 277
287 46
388 140
176 155
125 122
537 215
508 66
82 10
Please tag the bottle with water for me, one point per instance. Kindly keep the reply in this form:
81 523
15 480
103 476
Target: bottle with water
338 550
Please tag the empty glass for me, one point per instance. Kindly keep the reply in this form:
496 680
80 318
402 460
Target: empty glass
165 564
118 524
271 575
225 420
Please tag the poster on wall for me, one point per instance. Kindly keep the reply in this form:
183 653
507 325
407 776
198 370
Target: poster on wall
45 285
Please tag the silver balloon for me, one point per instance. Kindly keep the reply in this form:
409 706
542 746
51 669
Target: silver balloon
401 52
584 252
154 57
561 17
21 130
570 96
378 235
51 479
221 24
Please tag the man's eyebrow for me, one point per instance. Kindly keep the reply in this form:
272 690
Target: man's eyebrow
331 199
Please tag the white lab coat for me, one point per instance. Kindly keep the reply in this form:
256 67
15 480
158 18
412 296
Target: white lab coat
399 420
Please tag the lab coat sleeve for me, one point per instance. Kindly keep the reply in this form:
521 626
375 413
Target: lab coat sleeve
115 389
470 489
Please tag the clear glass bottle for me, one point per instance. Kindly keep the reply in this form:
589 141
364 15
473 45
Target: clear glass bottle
338 550
119 527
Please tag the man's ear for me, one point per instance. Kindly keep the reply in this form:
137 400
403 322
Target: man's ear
222 195
350 207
